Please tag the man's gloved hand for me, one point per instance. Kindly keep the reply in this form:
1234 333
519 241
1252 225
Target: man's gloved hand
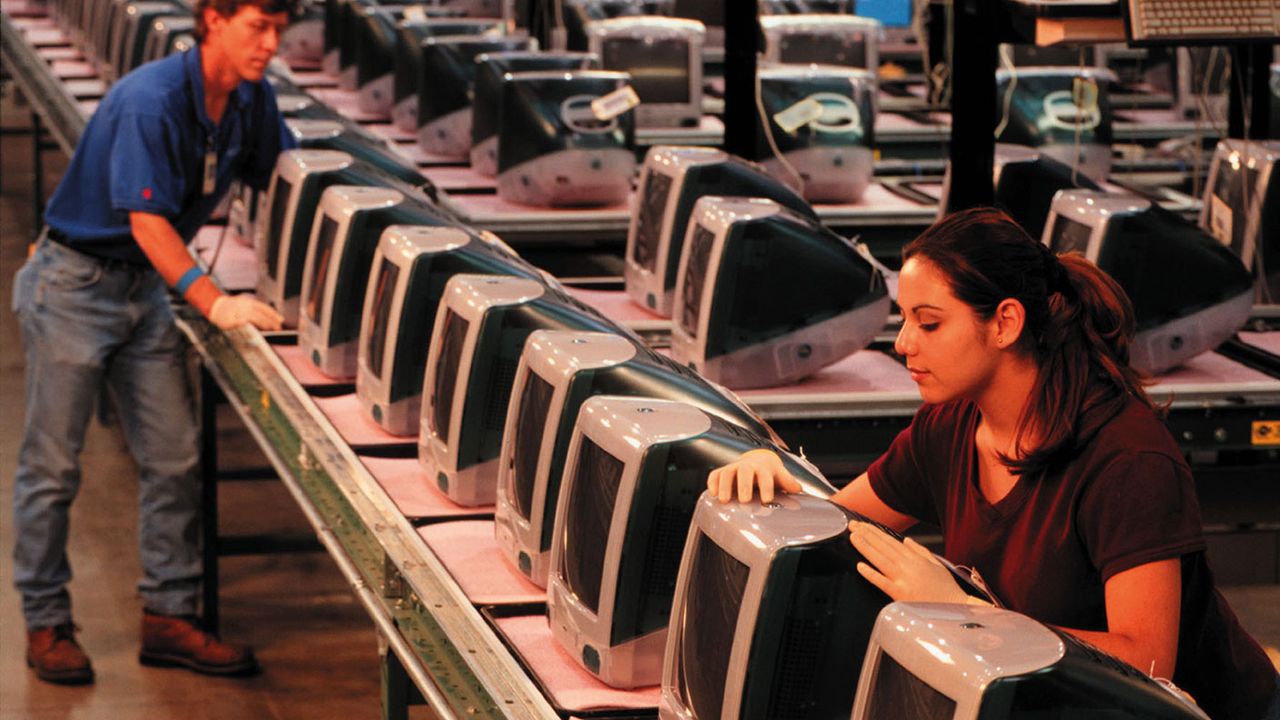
231 311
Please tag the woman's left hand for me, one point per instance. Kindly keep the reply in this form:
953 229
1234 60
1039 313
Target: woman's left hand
905 571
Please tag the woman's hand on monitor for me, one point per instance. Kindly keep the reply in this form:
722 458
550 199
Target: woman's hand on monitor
754 469
905 571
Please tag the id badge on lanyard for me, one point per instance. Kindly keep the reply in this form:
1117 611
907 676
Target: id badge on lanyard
210 167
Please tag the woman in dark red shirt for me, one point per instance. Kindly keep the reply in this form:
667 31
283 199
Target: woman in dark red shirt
1040 456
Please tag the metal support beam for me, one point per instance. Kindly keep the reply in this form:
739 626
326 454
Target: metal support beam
973 70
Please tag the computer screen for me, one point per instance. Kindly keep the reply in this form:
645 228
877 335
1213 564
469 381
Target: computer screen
663 57
1190 293
933 661
486 101
766 296
446 77
302 43
1064 112
560 370
482 324
1204 79
410 269
821 119
771 619
349 221
672 180
408 59
288 214
637 467
1242 208
845 40
556 149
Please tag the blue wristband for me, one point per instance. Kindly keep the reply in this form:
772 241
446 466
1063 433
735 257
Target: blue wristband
188 279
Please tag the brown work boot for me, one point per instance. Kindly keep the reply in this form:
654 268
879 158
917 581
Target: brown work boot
178 641
57 657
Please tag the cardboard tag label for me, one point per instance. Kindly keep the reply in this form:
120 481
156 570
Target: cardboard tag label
608 107
1084 93
1220 220
415 13
799 115
210 172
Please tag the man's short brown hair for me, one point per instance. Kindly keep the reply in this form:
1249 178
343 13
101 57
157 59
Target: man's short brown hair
227 8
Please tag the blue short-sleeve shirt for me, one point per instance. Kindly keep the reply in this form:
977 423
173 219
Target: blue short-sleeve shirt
144 150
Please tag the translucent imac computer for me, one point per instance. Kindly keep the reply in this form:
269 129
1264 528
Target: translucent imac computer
672 180
933 661
570 32
771 618
556 148
326 133
1190 293
345 234
408 59
164 31
1203 76
486 102
846 40
129 37
1026 181
375 43
560 370
447 74
480 330
636 471
1065 112
766 297
1242 208
410 269
822 121
302 43
663 57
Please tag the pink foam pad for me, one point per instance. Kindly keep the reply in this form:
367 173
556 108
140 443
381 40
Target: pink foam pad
33 21
416 155
876 196
408 486
87 107
617 306
1210 367
460 178
46 36
16 8
73 69
392 132
296 360
235 266
51 54
1269 341
346 102
313 79
866 371
354 424
86 89
571 687
476 208
470 552
1153 116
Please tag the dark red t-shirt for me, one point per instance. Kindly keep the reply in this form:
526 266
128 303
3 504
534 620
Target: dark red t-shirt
1048 547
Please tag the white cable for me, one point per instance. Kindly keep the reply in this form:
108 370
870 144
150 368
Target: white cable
1006 59
768 134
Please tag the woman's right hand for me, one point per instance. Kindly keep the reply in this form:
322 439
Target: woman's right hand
758 468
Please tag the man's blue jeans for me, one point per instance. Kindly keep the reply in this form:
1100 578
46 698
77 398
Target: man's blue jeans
85 323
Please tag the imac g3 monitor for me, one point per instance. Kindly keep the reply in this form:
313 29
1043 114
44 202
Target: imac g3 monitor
345 234
491 71
822 120
129 37
771 618
1242 208
343 135
766 296
846 40
164 30
672 180
1025 182
555 148
375 45
560 370
480 330
447 74
1065 112
935 661
284 229
663 57
408 58
302 43
636 470
1189 292
409 271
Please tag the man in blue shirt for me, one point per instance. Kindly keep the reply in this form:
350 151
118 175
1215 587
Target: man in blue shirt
92 301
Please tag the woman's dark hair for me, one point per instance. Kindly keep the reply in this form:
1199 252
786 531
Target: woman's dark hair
227 8
1079 324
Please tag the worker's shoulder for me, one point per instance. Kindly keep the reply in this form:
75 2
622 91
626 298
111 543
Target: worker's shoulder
159 87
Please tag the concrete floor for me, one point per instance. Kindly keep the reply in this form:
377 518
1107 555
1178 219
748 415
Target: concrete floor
317 646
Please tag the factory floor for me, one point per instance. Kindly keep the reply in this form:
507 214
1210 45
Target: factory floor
318 648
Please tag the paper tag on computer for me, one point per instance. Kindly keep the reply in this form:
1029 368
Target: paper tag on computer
799 115
415 13
1220 220
1084 93
608 107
